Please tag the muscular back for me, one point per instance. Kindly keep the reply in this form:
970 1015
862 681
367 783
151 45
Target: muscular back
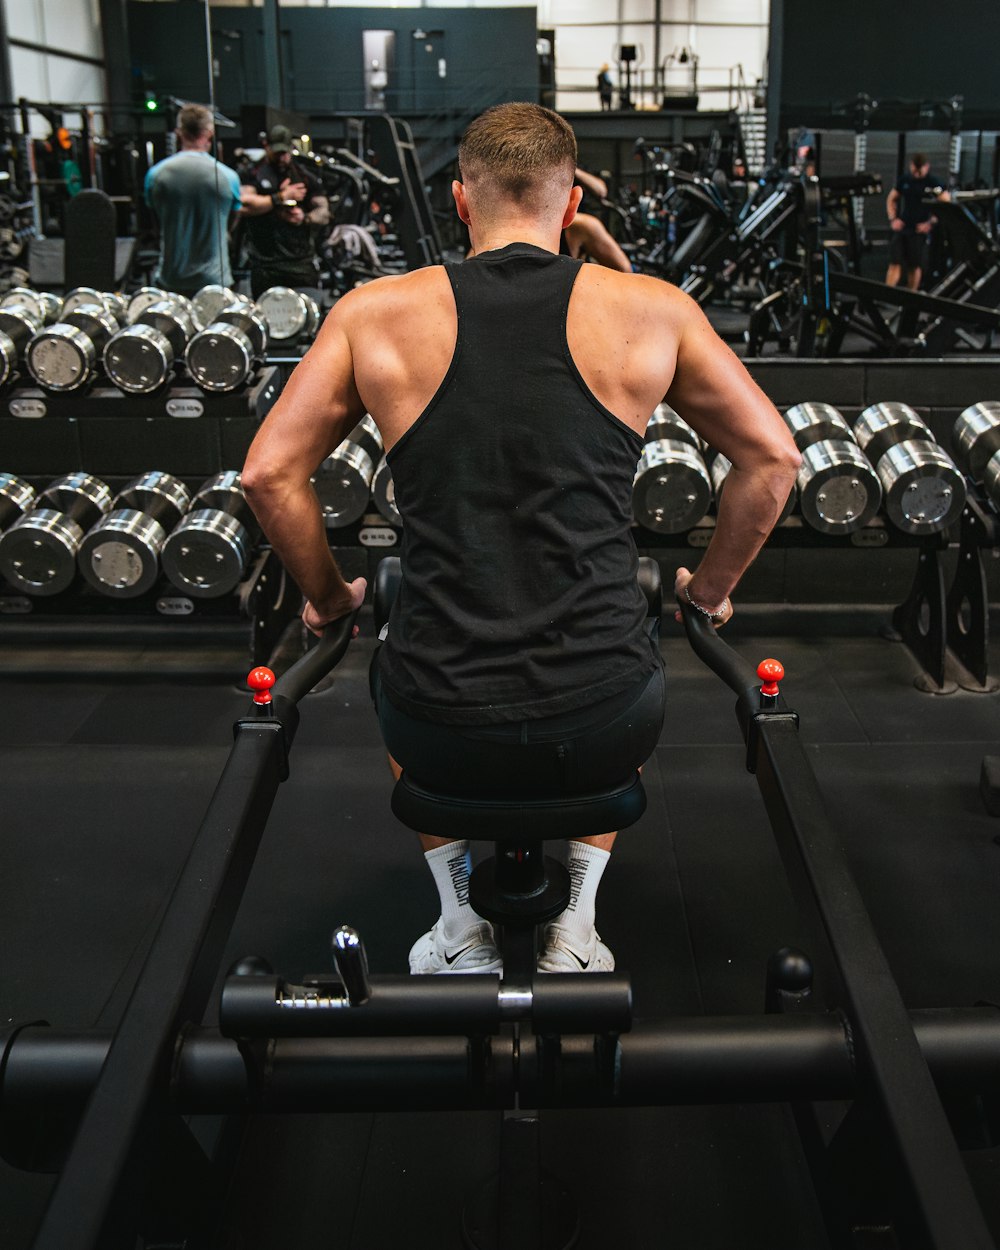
621 330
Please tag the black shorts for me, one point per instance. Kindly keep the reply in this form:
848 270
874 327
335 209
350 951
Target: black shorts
908 249
573 753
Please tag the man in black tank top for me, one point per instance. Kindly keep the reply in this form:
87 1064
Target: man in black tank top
512 393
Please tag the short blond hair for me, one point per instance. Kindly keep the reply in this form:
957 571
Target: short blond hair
519 152
195 120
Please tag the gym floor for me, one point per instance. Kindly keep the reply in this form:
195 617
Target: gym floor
105 782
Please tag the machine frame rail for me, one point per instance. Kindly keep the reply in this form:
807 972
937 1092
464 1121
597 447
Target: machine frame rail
96 1198
939 1208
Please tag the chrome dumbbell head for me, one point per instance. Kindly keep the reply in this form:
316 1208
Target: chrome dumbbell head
139 359
814 422
209 302
343 482
61 358
120 555
839 491
976 438
16 498
924 491
289 314
142 299
665 424
44 305
38 552
882 426
95 321
671 491
208 553
384 493
20 324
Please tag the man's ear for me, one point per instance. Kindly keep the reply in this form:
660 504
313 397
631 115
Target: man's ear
572 206
461 201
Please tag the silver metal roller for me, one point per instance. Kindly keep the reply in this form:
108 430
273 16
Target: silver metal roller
811 423
159 495
243 314
95 321
924 491
120 555
289 314
384 493
839 491
343 484
139 359
719 472
666 424
207 554
8 358
38 552
142 299
16 498
209 302
220 358
81 496
81 295
172 317
991 479
44 305
881 426
61 358
20 324
976 438
672 490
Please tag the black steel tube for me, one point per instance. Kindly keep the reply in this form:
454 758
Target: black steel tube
894 1069
318 662
722 660
464 1005
686 1060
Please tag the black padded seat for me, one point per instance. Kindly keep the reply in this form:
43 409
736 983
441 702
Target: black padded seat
518 818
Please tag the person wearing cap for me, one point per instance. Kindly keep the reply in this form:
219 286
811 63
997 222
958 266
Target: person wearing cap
284 205
194 198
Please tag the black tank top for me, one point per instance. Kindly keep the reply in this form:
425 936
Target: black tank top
519 597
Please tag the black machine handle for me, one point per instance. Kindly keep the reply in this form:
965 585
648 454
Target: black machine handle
714 651
319 661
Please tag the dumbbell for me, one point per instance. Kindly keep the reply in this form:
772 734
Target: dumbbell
222 357
142 299
45 305
140 358
288 314
209 302
671 491
64 357
923 490
384 493
839 491
976 438
719 472
208 553
120 555
110 301
19 324
38 552
16 498
666 425
343 482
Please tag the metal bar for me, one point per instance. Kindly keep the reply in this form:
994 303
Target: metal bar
674 1062
892 1064
46 50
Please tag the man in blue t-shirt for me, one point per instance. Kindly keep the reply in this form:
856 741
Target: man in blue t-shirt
912 220
193 196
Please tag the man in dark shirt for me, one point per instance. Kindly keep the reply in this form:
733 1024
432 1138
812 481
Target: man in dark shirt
515 648
284 205
912 220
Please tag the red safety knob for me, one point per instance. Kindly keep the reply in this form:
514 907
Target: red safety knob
770 672
260 682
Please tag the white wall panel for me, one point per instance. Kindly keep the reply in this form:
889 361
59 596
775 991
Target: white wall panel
23 20
75 80
72 24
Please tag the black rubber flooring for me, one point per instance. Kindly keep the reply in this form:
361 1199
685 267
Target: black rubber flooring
104 784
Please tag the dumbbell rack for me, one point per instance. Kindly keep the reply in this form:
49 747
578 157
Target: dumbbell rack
180 430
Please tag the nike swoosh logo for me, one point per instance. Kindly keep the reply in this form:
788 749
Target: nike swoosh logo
583 966
450 959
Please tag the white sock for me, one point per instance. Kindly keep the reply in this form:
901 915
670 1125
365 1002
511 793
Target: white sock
450 866
586 866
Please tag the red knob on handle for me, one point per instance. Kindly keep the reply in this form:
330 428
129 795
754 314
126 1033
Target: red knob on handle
770 672
260 682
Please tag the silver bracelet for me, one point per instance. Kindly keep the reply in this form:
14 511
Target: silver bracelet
712 616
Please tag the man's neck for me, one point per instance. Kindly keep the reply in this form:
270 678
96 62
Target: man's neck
195 145
493 239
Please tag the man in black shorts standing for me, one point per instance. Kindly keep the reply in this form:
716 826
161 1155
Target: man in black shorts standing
912 220
284 205
512 393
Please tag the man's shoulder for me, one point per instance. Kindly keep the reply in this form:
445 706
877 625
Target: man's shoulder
396 295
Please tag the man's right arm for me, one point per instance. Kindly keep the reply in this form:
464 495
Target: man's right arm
892 208
715 394
254 203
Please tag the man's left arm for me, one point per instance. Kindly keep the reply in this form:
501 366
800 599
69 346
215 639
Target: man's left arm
317 409
317 205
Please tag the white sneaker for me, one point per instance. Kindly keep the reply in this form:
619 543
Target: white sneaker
562 952
471 950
